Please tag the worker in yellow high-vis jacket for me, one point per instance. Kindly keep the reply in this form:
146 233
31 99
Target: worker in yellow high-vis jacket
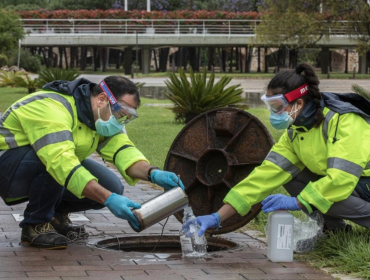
45 141
322 159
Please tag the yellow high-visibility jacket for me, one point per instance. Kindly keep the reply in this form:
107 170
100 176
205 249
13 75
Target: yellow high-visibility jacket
49 122
341 162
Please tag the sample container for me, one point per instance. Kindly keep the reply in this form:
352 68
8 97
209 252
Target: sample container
160 207
280 236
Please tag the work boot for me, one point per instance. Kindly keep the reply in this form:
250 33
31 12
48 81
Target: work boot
328 231
63 225
43 236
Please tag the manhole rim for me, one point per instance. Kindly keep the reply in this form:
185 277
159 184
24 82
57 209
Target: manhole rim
238 245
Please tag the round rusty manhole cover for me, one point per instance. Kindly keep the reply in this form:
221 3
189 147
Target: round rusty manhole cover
214 152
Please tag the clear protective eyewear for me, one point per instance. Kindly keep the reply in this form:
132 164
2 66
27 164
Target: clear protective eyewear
275 103
122 112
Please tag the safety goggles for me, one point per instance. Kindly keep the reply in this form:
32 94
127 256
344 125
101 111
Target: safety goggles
122 112
277 103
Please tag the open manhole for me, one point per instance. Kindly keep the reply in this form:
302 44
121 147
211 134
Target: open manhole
167 244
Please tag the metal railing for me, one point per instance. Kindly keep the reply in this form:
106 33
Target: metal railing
169 27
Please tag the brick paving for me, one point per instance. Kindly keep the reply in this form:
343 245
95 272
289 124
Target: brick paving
83 260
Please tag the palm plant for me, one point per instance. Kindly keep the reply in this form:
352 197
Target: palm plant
361 91
7 78
27 82
54 74
199 95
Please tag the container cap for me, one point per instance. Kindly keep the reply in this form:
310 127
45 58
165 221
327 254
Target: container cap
214 152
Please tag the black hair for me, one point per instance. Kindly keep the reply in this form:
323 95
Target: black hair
291 79
119 86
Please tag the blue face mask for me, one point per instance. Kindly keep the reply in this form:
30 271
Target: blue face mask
283 120
109 127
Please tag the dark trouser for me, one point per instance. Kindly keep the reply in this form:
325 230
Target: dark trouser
46 196
353 208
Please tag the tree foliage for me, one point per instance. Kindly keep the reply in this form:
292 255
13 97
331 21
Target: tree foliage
10 30
305 22
8 3
158 5
80 4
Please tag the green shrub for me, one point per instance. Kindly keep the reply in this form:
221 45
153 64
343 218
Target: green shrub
27 82
54 74
27 60
8 79
361 91
197 96
3 60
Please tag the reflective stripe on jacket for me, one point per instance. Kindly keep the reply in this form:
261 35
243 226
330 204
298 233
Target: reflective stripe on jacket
341 162
48 122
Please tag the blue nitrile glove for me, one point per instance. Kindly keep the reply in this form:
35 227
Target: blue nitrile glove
205 222
279 202
119 206
166 179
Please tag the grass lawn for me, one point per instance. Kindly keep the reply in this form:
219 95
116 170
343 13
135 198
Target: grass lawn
153 133
9 95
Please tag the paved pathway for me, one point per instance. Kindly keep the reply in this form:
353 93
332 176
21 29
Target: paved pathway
333 85
83 260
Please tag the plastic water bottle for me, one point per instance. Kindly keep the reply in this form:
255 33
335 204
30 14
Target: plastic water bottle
191 244
280 236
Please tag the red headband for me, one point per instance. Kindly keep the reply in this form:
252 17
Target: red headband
297 93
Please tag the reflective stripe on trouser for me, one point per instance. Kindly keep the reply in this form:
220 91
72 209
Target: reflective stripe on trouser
1 152
353 208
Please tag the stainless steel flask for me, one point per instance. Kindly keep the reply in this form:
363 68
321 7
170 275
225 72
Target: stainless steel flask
160 207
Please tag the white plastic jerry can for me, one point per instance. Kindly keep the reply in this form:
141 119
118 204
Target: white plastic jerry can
280 236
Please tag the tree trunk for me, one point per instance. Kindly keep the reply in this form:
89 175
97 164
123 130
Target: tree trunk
117 55
50 57
83 58
72 57
163 59
293 58
127 60
155 60
231 60
259 60
279 54
95 59
223 55
44 57
184 58
248 59
211 54
65 57
237 55
346 62
60 65
103 54
266 61
193 58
